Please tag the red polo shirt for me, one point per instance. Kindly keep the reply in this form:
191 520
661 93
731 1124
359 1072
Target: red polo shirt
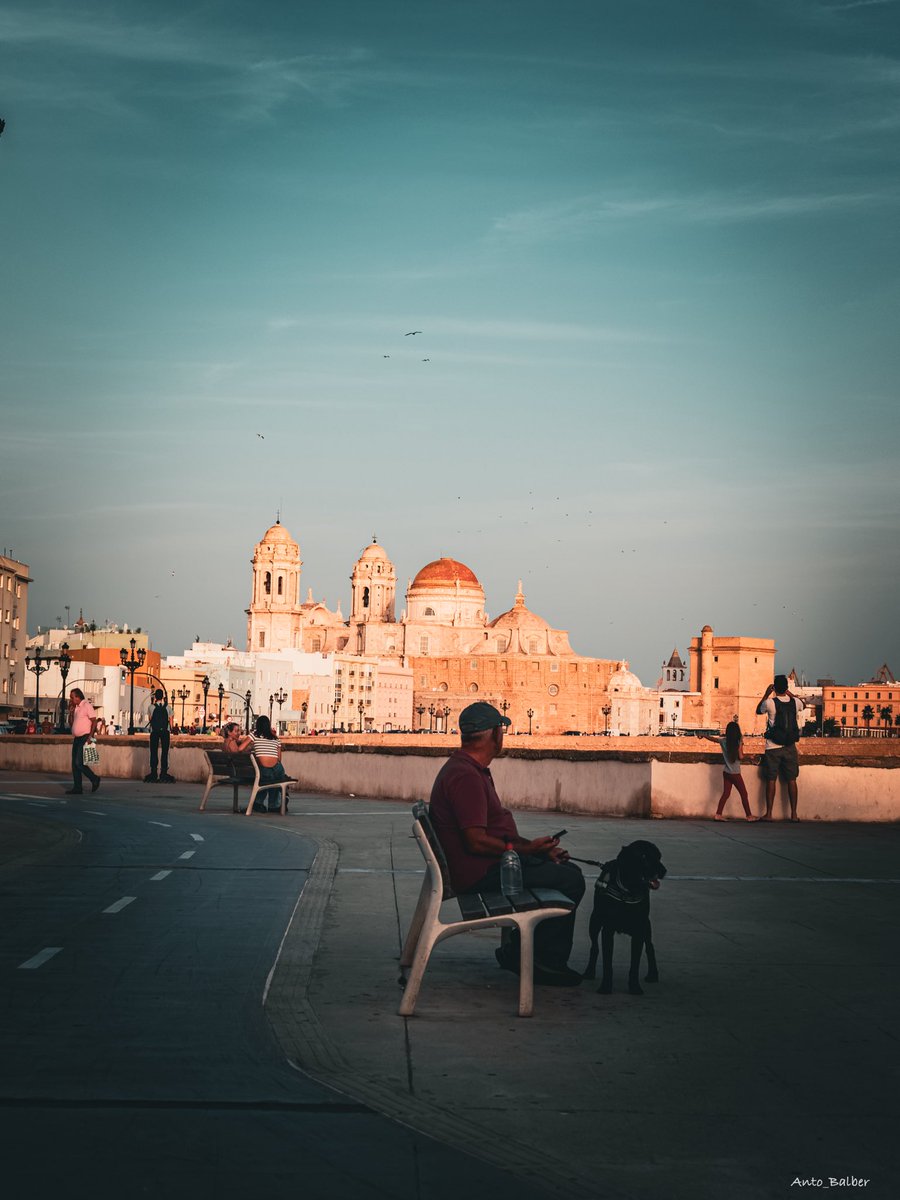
464 797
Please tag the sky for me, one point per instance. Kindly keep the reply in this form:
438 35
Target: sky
653 250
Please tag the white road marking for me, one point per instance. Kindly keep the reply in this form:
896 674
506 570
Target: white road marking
36 804
120 904
32 964
162 823
159 875
188 854
197 837
95 812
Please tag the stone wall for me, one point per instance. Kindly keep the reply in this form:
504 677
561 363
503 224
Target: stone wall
661 777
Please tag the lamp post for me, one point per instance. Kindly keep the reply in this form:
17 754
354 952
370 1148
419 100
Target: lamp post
38 666
431 718
421 711
361 707
65 663
205 685
221 691
182 695
446 715
334 712
504 706
131 665
674 719
279 698
248 696
529 714
606 710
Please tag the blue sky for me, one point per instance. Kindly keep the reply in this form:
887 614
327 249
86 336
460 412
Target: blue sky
653 249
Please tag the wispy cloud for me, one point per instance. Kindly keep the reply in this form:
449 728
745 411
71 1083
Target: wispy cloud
577 216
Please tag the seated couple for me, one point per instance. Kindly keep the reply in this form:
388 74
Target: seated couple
264 743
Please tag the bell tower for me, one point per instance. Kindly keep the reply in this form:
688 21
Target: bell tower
373 586
274 617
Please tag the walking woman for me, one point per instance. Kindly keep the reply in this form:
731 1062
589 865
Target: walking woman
732 747
267 749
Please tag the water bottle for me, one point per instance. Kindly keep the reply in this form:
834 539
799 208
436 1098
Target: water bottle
510 872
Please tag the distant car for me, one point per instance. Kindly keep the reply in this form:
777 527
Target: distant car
6 727
572 733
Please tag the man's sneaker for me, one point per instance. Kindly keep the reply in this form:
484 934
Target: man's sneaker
95 784
556 976
167 779
150 779
74 792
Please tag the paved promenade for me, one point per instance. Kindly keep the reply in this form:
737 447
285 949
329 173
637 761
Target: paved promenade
766 1055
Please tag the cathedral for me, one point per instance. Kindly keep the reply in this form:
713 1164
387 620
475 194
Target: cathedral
457 654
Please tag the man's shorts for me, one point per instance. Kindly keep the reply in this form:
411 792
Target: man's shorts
781 762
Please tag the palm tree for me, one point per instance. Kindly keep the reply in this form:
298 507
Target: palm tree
886 712
829 727
868 714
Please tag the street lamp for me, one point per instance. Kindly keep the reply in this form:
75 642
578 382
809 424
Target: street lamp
38 666
446 715
361 706
279 698
221 691
421 711
504 706
205 685
131 665
247 698
65 663
431 718
606 710
674 719
334 712
529 714
182 695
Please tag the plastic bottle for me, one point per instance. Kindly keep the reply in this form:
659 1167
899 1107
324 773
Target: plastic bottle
510 872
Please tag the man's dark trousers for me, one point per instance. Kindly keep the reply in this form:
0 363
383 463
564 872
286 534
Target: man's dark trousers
78 767
552 938
159 739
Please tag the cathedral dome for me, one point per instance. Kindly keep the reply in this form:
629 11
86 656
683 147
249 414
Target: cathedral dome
520 617
623 680
276 533
445 573
373 553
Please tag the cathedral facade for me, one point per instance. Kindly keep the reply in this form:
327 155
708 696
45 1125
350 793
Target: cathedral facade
457 654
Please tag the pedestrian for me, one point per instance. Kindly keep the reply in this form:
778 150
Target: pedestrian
160 729
732 747
267 749
83 721
474 829
782 712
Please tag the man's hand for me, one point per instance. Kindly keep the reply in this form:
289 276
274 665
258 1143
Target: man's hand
769 690
542 845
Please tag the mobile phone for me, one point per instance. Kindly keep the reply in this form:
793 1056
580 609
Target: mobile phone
561 833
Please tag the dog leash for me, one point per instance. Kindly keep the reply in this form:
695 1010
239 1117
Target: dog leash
589 862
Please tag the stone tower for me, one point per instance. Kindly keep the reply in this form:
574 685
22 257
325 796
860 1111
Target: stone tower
274 617
373 586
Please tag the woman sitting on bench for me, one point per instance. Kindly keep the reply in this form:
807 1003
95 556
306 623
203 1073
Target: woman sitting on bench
235 742
267 749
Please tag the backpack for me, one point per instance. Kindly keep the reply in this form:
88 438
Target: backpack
159 718
785 730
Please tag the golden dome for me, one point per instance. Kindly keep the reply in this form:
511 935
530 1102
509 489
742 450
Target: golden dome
445 573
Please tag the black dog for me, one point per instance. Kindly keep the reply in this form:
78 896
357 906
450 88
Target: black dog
622 905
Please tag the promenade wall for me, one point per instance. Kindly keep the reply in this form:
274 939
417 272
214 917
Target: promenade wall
652 777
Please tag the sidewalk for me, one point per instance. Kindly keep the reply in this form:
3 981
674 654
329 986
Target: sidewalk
765 1054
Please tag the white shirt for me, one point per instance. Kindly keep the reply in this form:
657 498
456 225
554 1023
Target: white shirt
766 708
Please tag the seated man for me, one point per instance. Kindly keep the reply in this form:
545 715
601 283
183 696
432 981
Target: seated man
474 829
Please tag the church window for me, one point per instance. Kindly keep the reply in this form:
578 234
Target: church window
267 583
423 645
554 666
662 702
429 612
316 644
442 687
553 708
682 677
553 689
474 664
280 585
532 646
473 687
668 674
365 597
502 643
262 639
716 682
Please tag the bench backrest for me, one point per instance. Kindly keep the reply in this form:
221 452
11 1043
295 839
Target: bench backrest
231 766
431 840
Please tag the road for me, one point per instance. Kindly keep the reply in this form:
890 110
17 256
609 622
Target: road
137 1058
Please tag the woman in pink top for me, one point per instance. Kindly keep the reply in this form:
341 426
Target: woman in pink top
83 720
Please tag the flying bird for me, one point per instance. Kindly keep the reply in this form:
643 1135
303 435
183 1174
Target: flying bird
261 435
426 360
385 356
412 333
2 125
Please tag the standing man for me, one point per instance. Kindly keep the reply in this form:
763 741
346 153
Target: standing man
83 720
160 728
474 829
782 712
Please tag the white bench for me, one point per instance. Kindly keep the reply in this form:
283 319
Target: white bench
522 911
236 771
